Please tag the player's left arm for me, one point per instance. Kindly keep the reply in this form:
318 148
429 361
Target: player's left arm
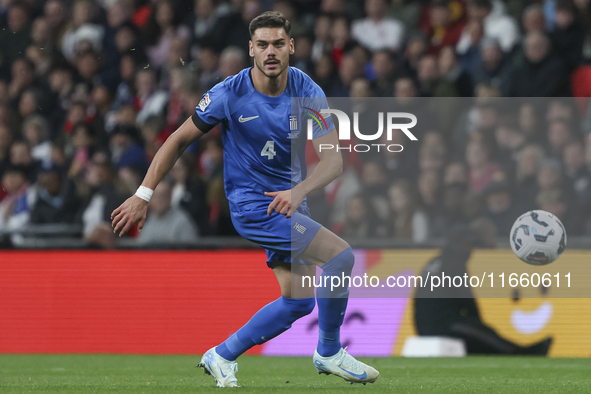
328 169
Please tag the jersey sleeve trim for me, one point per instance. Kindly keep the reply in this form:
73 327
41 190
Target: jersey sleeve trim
200 124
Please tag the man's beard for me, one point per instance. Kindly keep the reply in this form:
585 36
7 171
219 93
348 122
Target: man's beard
270 76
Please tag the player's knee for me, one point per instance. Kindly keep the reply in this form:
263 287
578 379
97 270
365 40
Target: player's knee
343 262
299 308
348 259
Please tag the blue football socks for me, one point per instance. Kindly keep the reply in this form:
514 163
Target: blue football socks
270 321
333 303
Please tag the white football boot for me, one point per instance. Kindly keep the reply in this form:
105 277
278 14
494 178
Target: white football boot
222 370
344 365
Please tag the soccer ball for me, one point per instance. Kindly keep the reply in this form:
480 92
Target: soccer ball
538 237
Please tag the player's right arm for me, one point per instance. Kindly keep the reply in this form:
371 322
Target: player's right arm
134 209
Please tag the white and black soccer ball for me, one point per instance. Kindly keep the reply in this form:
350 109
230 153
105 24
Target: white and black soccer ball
538 237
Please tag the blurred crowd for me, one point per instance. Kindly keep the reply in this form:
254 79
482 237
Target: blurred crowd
89 90
484 159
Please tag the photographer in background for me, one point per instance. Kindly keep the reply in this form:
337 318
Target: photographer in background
452 311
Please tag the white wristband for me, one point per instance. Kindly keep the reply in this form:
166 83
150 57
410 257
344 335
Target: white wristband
145 193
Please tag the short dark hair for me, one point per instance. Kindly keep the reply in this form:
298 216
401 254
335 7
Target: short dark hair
270 19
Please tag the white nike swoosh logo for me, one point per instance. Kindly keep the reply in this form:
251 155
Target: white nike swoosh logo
241 119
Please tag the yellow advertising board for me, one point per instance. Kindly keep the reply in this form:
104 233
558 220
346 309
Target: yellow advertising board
523 311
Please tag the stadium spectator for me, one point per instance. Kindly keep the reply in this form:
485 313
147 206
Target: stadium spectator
431 156
166 224
495 21
15 208
55 12
125 151
450 209
290 10
528 122
235 27
35 130
427 75
509 140
162 29
324 73
302 58
481 166
359 222
204 22
189 192
128 67
455 172
82 31
452 311
340 38
406 11
5 143
442 22
494 68
578 175
408 221
378 31
469 56
209 72
568 35
542 74
555 201
549 174
232 60
23 77
101 200
384 67
559 135
176 58
454 81
20 156
500 208
212 168
321 43
339 193
429 188
17 36
528 165
148 98
81 147
56 197
534 19
61 83
349 70
374 187
416 46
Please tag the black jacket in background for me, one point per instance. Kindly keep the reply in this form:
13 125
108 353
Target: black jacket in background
62 209
548 78
436 311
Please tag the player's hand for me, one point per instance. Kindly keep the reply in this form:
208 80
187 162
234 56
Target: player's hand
132 211
285 202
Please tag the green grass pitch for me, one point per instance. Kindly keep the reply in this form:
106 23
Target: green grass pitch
178 374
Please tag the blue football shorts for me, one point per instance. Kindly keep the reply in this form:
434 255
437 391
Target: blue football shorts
281 237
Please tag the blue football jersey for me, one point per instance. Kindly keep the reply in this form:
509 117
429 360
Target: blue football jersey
263 137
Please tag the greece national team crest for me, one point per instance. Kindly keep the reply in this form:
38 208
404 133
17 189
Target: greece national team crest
299 228
204 102
293 127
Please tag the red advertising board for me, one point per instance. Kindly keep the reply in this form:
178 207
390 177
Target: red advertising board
140 302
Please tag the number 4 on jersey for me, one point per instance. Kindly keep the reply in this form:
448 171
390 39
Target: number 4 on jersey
269 150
